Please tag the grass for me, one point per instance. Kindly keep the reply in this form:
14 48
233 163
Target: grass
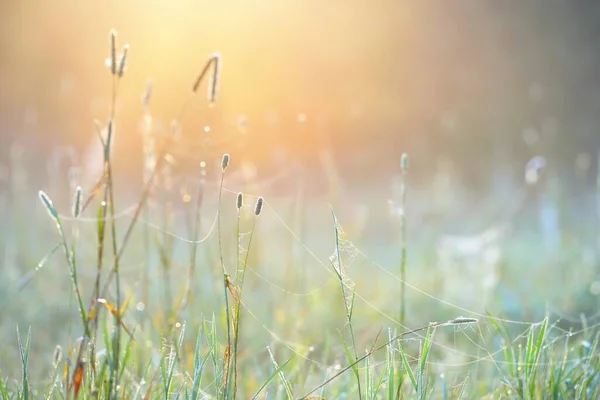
217 334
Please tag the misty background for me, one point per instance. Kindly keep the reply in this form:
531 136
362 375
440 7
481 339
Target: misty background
470 89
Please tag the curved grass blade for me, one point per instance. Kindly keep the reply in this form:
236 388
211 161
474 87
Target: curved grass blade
271 377
409 371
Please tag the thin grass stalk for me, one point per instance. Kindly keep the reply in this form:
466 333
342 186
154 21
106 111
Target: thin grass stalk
403 261
598 213
165 247
110 189
227 356
196 223
117 279
214 61
148 148
136 216
24 352
105 188
240 283
343 288
69 255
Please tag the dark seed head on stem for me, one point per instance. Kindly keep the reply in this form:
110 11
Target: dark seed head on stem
57 357
77 202
225 161
258 207
214 81
123 61
240 201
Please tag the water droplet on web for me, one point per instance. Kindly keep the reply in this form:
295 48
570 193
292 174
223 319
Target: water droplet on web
207 129
140 306
202 164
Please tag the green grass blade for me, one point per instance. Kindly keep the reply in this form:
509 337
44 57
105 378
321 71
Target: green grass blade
537 350
391 367
380 382
529 353
426 348
350 357
3 390
198 364
127 354
368 377
168 374
423 361
284 381
271 377
409 371
24 352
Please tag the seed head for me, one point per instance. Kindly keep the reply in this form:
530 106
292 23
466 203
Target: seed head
463 320
240 201
57 357
214 82
49 206
147 93
225 161
404 162
123 61
113 51
77 202
214 62
258 206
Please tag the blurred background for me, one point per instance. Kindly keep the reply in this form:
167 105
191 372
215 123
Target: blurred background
330 94
460 81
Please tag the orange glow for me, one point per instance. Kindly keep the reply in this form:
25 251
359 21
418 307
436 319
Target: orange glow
358 71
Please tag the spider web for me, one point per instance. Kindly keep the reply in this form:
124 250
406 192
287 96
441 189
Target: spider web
373 286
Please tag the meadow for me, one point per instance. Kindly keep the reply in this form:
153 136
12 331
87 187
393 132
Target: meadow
210 284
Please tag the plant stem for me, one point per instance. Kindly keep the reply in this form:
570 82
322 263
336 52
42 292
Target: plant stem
227 358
